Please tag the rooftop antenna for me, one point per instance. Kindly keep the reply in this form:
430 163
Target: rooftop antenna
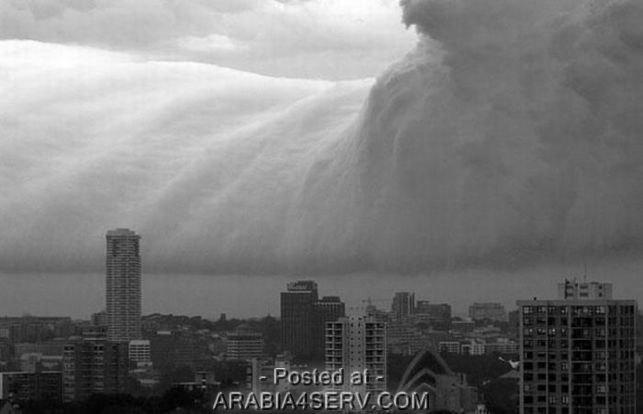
585 270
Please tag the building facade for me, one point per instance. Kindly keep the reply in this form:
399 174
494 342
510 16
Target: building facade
297 320
31 386
244 345
436 314
574 289
357 344
94 367
403 305
123 285
578 356
139 353
488 312
327 309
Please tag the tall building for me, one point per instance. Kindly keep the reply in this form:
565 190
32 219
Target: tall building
488 312
578 355
327 309
403 304
94 367
297 306
123 294
355 344
304 317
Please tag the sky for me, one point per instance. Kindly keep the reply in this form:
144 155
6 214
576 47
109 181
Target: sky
431 139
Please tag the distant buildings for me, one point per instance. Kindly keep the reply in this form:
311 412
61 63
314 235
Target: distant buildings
244 344
463 347
437 315
123 283
578 352
30 386
356 344
171 349
403 305
34 328
139 353
488 312
303 319
260 369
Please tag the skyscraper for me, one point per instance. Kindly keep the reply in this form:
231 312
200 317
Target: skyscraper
304 317
297 319
123 294
578 354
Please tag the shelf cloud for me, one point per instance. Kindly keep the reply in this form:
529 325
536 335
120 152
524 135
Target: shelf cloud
510 134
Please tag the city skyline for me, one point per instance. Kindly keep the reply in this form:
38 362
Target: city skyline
197 192
241 296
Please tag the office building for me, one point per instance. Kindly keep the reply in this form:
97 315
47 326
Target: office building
94 367
494 312
355 344
578 354
297 319
123 265
437 315
244 344
403 305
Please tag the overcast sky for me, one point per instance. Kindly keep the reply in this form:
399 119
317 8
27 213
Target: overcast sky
321 136
317 39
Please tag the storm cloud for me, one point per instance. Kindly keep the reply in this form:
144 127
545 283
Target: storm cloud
512 133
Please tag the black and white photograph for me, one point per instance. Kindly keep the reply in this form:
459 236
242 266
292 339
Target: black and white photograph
356 206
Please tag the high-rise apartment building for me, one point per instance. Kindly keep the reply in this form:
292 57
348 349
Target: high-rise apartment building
327 309
578 355
94 367
357 343
123 294
403 304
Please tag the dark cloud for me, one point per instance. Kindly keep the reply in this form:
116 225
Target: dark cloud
511 134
